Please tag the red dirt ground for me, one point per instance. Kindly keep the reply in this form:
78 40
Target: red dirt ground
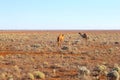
38 50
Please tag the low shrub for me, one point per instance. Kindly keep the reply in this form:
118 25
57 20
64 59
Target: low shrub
39 75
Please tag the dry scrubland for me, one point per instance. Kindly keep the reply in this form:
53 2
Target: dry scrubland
34 55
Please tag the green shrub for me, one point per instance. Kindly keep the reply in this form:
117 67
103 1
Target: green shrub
113 75
117 68
101 68
39 75
31 76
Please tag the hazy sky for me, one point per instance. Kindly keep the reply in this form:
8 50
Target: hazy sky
59 14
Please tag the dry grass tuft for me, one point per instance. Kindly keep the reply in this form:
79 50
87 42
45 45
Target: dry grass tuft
39 75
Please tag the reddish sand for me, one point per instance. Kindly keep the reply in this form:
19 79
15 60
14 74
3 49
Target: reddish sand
102 47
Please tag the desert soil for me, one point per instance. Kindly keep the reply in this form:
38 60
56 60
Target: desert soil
23 52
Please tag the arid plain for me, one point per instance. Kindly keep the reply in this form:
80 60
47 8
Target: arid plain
35 55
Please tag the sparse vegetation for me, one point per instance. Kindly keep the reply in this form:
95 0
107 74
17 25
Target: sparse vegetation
84 73
35 55
31 76
39 75
113 75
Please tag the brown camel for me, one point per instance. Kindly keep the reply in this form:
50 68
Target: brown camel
84 36
60 39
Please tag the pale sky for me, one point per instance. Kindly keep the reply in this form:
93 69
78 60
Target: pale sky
59 14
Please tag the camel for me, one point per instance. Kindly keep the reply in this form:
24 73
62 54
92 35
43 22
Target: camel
84 36
60 39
